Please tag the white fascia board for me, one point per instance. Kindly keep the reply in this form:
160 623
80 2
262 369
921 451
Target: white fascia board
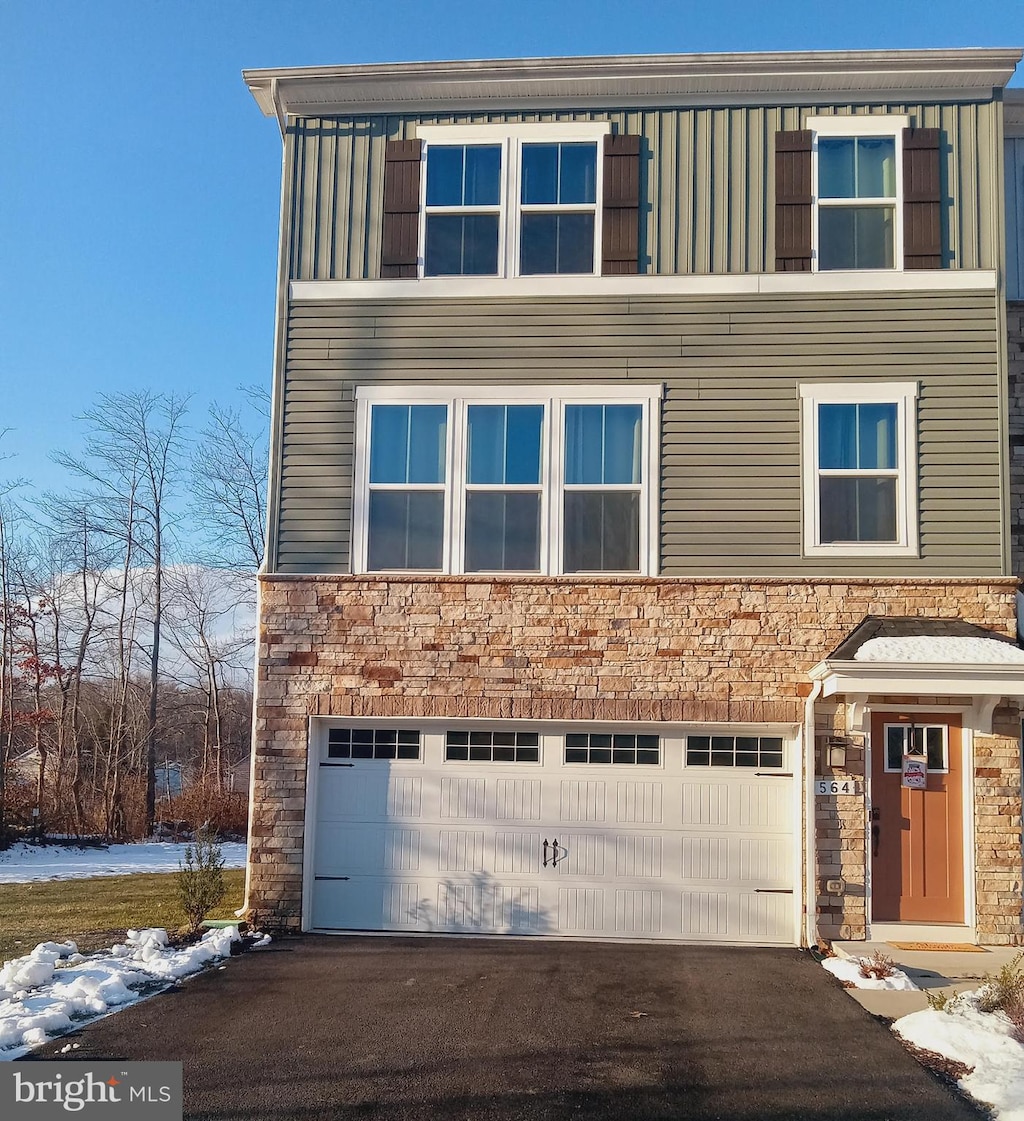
721 284
948 679
310 91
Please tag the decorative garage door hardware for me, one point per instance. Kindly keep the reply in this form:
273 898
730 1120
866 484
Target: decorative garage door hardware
556 853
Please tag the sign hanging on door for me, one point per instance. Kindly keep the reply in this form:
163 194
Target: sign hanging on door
915 772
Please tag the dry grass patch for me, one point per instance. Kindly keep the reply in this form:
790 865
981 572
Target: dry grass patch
97 912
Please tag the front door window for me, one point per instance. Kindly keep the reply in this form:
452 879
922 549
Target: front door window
928 742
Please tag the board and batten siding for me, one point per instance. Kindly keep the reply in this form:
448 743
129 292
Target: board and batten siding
707 191
730 424
1014 170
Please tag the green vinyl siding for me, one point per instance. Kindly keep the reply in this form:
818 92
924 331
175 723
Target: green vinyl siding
730 425
707 191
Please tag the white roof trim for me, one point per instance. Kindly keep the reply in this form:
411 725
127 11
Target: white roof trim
945 679
649 284
623 79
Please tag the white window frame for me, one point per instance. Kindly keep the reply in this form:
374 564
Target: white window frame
511 138
943 770
889 124
552 487
904 396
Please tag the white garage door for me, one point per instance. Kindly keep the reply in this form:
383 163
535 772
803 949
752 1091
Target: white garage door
594 834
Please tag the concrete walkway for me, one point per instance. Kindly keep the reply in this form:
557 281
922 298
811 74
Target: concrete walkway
929 969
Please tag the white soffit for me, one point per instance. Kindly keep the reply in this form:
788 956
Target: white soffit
629 79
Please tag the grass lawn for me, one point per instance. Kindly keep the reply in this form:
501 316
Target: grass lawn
97 912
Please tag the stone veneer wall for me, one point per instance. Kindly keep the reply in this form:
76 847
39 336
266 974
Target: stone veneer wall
1015 347
545 648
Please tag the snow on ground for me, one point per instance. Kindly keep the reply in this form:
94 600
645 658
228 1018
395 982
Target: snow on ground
55 988
943 650
23 863
848 969
982 1040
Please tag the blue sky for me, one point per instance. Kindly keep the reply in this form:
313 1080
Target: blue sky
139 183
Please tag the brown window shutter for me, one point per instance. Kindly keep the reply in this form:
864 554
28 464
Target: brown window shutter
922 199
401 228
620 232
793 201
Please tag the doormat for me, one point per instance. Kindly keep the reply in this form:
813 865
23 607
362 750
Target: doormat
941 947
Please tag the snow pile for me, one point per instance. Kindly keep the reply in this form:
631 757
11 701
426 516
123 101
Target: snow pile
23 863
55 988
848 970
981 1040
942 650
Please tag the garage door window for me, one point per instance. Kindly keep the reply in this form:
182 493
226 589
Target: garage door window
598 747
734 751
372 743
493 747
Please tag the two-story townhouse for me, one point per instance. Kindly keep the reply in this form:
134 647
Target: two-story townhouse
639 551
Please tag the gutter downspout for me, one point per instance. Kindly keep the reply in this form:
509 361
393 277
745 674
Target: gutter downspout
810 896
243 911
276 411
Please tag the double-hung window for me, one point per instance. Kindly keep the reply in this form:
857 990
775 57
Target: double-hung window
484 479
462 210
860 468
857 172
511 200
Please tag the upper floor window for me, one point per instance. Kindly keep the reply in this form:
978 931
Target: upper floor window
858 186
860 493
511 200
506 480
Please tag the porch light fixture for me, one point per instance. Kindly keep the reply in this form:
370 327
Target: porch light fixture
835 750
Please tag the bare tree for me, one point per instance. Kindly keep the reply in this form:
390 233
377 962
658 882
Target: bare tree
78 587
204 630
131 469
229 472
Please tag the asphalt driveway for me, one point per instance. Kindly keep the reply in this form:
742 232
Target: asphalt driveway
407 1029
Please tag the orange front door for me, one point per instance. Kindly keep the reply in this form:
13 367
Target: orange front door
917 857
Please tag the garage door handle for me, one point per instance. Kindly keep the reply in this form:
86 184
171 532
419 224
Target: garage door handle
554 858
773 774
773 891
545 864
330 877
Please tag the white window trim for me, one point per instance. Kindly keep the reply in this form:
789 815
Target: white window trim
511 137
943 770
889 124
554 399
904 396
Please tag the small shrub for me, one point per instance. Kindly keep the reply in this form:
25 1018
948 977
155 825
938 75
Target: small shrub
1004 992
939 1000
200 879
877 966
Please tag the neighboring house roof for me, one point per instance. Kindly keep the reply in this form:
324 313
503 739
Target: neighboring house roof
948 641
628 79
